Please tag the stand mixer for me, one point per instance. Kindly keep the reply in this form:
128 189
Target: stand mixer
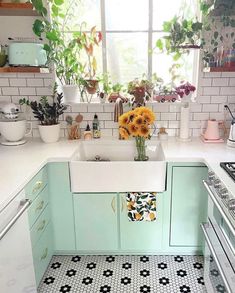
231 139
13 126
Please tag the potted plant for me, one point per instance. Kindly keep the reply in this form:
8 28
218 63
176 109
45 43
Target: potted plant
181 34
141 89
48 115
63 52
89 41
136 123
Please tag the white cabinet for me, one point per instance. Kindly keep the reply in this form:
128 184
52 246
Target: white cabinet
16 260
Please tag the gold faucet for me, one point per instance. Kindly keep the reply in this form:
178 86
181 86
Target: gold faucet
118 110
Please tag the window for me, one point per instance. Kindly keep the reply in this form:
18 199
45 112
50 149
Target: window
130 29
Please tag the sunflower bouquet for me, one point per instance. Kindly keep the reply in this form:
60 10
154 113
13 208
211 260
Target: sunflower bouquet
136 123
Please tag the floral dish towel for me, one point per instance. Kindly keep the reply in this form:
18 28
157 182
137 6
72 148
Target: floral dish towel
141 206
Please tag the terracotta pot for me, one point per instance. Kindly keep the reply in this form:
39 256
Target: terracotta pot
91 86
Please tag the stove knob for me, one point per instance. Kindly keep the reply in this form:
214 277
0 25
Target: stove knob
217 183
231 204
211 175
223 193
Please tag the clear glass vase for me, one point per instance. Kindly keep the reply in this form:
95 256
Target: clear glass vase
141 149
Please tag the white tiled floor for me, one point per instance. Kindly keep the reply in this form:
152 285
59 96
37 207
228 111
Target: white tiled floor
124 274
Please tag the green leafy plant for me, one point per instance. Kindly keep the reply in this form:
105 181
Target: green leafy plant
63 50
180 36
47 112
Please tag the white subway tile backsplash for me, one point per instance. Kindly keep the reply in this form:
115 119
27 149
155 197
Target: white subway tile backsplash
220 81
227 90
210 108
35 82
27 91
10 91
232 81
79 108
44 91
95 108
161 107
168 116
206 81
218 99
231 99
214 90
212 74
203 99
5 99
228 74
207 91
4 82
110 124
201 116
17 82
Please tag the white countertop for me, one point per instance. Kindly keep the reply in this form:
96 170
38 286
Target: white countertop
18 165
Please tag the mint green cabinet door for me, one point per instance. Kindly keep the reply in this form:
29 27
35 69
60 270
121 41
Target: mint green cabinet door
141 236
188 205
96 221
61 204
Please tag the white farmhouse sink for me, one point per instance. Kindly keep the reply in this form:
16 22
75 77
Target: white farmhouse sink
121 173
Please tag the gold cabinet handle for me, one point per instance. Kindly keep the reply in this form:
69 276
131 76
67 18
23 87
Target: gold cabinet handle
40 205
113 204
44 255
42 226
37 186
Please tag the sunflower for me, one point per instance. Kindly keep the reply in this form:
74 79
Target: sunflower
149 117
133 129
123 133
123 119
138 120
144 131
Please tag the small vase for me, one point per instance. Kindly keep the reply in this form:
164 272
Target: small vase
141 149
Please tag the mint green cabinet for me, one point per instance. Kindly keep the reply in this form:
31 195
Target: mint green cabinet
61 204
96 222
140 236
188 205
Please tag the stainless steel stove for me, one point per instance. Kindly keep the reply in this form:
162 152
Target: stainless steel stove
229 168
219 233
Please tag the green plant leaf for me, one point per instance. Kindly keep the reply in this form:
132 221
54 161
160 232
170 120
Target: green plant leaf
159 44
55 10
52 35
38 27
59 2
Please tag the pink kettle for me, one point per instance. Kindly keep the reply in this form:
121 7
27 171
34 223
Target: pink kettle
212 131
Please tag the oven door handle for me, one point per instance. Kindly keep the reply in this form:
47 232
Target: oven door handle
219 207
24 204
204 227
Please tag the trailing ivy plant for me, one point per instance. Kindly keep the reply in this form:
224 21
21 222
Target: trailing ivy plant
181 35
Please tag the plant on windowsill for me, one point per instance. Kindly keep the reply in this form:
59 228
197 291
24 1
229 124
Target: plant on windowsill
63 50
48 114
142 89
137 123
89 41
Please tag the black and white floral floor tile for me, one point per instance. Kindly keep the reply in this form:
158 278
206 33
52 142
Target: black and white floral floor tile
124 274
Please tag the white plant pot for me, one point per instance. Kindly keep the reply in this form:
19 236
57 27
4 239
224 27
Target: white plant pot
71 94
49 133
